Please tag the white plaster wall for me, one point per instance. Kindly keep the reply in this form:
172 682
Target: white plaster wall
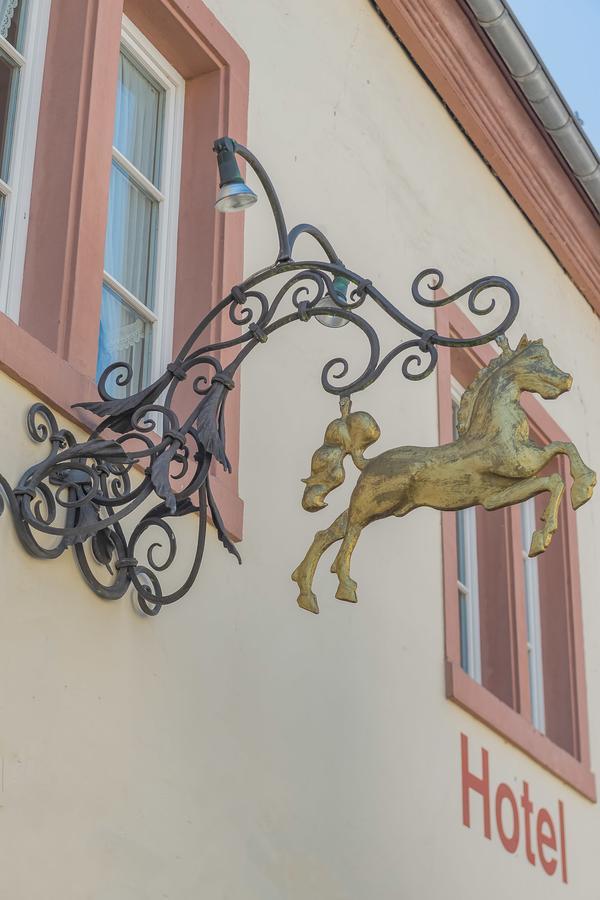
236 747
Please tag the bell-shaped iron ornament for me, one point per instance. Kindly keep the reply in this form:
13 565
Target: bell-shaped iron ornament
340 288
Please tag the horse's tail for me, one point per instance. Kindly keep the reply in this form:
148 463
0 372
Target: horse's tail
350 434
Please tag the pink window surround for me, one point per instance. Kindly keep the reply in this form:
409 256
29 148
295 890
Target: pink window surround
53 349
513 723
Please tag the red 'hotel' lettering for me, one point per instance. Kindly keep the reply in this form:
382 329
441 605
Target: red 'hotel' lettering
549 843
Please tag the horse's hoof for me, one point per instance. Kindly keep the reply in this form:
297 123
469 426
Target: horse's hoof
539 542
308 602
348 593
582 489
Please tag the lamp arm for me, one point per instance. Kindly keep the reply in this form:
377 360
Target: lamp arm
257 167
319 237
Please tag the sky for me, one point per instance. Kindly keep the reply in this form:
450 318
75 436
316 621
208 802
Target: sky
566 35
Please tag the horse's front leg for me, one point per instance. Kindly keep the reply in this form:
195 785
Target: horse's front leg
303 575
584 478
341 564
524 490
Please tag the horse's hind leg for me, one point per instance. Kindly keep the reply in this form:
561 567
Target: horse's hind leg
524 490
341 564
303 575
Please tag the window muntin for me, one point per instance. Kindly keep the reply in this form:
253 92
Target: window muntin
139 264
23 32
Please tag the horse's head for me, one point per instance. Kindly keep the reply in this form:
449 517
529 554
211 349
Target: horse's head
536 372
529 367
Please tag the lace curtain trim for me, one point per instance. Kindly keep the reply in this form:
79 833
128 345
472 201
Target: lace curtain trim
126 337
7 11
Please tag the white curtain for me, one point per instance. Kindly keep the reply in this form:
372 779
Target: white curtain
130 236
124 337
138 119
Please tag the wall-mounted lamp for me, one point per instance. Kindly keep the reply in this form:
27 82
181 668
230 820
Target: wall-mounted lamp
234 194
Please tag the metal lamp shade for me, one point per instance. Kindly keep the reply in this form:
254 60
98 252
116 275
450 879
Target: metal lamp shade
234 197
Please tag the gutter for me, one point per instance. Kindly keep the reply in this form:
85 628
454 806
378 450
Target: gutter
540 92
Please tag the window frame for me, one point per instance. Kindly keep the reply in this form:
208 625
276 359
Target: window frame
161 315
53 348
17 191
514 724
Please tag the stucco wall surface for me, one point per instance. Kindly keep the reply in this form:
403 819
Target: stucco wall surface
236 747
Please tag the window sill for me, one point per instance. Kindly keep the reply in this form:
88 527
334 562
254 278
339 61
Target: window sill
508 723
60 384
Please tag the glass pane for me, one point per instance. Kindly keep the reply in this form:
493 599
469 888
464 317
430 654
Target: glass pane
124 337
139 119
528 525
455 406
532 614
463 600
461 548
9 77
464 631
131 236
12 22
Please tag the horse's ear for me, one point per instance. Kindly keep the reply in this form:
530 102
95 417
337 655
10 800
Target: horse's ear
502 342
523 343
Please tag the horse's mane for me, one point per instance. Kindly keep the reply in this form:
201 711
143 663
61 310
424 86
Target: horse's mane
467 401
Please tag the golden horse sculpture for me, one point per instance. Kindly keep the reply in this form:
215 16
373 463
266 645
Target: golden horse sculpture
493 463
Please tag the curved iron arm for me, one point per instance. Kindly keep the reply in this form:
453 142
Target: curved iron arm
82 494
267 184
318 236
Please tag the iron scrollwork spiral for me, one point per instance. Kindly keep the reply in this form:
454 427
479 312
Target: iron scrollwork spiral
159 443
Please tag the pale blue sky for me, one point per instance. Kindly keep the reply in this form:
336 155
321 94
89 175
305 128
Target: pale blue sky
566 35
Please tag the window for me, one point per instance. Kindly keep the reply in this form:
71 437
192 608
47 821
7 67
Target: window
136 319
50 337
23 31
482 576
481 551
485 585
514 637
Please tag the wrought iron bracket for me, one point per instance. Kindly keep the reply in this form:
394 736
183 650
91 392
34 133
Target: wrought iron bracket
84 495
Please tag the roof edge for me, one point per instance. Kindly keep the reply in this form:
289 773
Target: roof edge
540 92
456 57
